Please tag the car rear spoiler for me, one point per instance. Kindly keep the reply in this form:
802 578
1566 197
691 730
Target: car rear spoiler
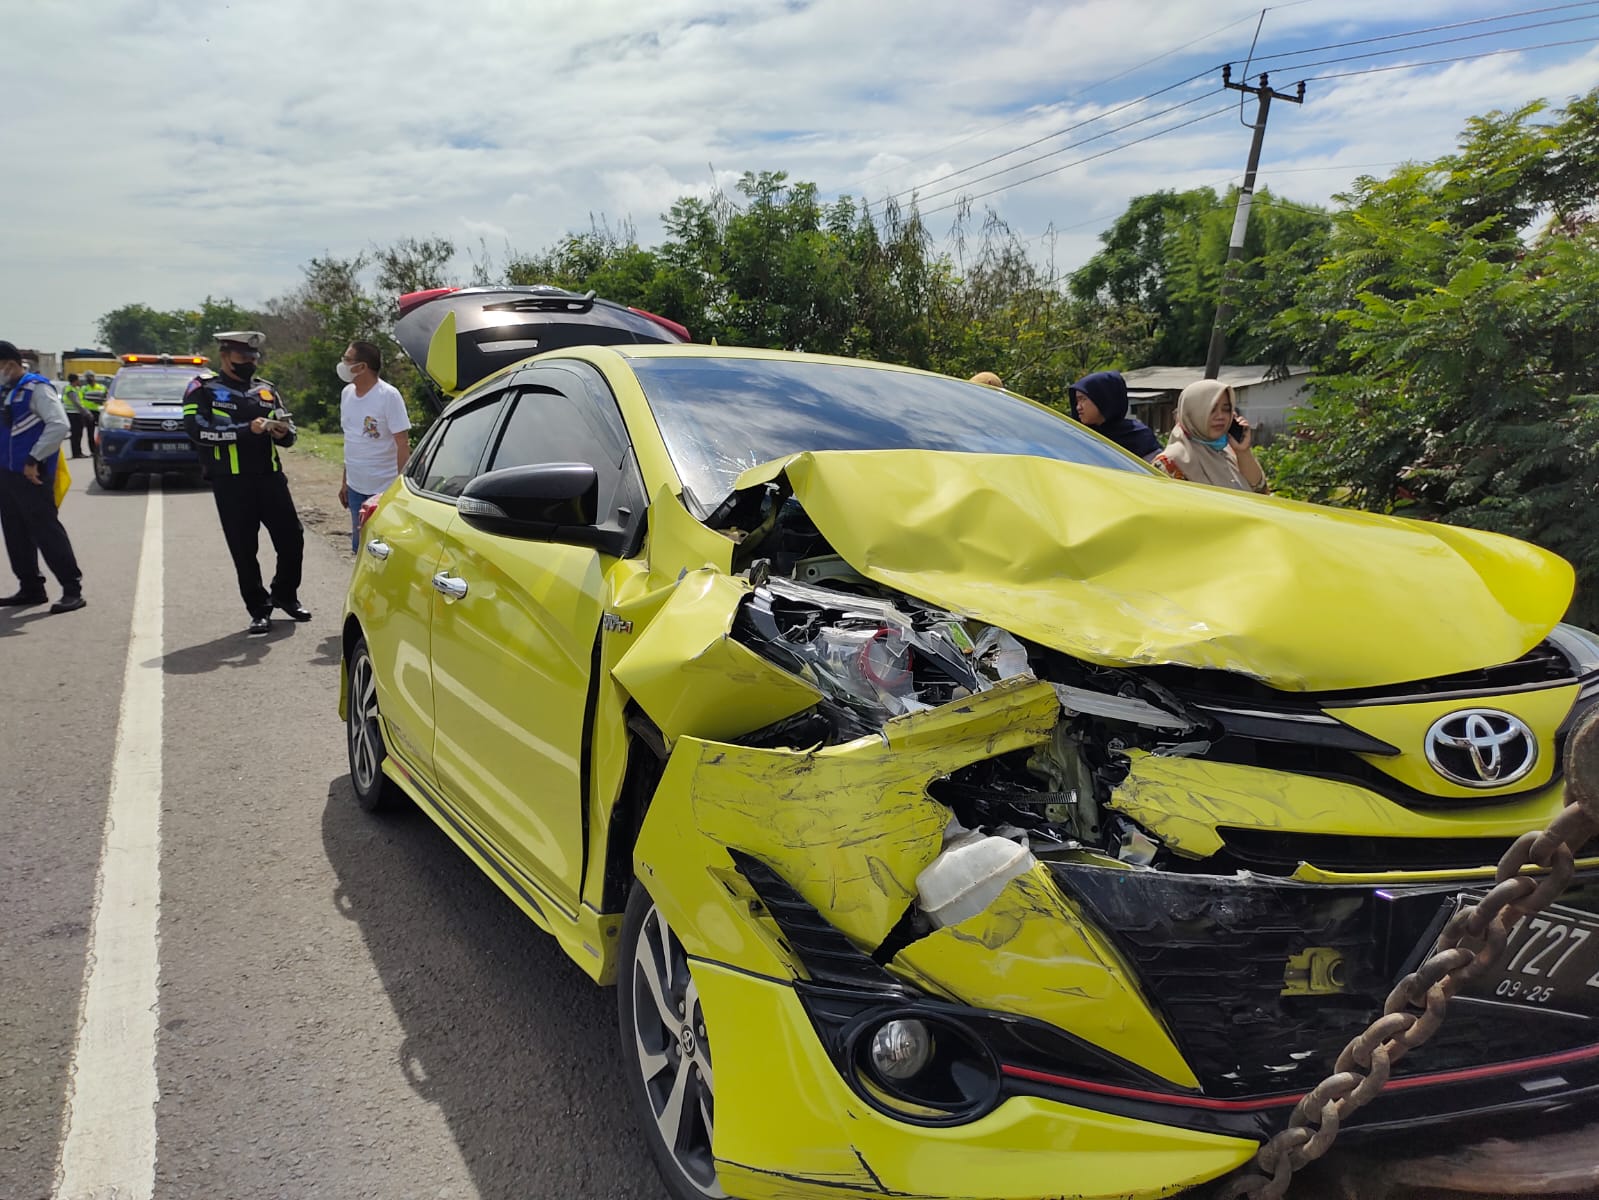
458 336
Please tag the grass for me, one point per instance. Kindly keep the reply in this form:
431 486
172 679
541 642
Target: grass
326 446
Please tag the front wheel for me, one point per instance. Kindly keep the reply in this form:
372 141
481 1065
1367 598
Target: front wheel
666 1051
111 481
364 735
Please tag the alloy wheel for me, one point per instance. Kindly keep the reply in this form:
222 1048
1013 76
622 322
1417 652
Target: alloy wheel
674 1053
365 744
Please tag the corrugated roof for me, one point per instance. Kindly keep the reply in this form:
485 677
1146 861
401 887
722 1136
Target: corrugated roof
1170 378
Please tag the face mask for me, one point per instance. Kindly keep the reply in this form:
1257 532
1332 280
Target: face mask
244 371
346 372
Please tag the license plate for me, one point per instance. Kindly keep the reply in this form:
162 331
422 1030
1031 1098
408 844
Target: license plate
1551 962
171 447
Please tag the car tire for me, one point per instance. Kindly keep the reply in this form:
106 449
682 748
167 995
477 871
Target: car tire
374 791
666 1054
111 481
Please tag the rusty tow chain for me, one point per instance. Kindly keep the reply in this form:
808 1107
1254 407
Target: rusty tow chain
1470 943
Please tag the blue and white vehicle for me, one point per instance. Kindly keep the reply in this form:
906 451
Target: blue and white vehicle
141 424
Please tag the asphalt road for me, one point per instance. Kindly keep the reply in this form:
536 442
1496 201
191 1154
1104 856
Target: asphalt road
345 1007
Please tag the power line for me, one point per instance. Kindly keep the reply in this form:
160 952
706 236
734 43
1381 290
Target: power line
1061 150
1068 129
1228 107
1249 58
916 191
1461 58
1388 37
1293 68
1080 92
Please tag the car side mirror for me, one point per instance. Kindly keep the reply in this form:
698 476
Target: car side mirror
552 502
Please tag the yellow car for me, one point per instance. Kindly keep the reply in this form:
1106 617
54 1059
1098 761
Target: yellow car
961 808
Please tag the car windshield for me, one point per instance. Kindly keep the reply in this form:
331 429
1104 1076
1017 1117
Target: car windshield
721 416
140 383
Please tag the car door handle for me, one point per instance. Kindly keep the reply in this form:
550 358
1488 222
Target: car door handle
449 586
377 549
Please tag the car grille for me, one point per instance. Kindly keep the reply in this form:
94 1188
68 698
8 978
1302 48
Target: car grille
1210 952
1279 853
170 425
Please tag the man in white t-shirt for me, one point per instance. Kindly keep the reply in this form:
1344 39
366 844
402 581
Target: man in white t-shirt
377 438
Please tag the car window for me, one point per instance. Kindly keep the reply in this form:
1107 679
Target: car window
561 417
416 467
134 383
556 426
459 448
721 416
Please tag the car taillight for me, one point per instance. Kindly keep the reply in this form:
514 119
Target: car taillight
368 507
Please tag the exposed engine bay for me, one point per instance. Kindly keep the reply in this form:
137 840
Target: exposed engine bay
876 654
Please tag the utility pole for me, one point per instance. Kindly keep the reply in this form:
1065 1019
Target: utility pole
1246 195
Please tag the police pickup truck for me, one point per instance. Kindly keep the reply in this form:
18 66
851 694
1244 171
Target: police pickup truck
141 425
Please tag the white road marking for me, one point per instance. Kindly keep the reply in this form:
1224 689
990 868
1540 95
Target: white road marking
109 1148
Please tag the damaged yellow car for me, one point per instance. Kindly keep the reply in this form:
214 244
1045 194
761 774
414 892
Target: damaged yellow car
961 808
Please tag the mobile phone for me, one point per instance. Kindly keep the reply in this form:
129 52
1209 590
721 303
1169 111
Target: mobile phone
1236 430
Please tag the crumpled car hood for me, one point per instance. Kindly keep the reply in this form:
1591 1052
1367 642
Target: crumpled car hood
1128 568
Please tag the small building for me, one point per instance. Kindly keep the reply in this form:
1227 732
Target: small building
1264 396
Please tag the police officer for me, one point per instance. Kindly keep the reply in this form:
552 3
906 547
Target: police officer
77 415
238 422
93 398
32 427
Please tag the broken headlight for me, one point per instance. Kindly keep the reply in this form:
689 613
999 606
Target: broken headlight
1581 649
874 659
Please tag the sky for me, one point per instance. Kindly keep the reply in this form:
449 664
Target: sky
162 151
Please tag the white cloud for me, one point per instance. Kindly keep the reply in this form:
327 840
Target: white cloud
182 149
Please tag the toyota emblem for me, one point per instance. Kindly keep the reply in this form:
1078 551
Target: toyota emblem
170 424
1481 748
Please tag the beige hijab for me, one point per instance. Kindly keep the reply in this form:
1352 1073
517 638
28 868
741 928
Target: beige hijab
1196 460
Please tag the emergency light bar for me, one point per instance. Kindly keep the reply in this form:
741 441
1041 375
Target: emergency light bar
190 360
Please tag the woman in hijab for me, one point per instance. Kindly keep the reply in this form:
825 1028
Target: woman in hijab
1211 442
1100 402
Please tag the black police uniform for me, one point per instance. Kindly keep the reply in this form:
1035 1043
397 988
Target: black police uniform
248 484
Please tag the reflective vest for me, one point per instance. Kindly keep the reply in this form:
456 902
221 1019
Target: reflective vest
217 415
22 427
93 396
72 397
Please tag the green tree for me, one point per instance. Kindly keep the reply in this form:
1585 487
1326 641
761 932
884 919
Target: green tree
1456 334
201 326
1165 256
413 265
330 309
140 329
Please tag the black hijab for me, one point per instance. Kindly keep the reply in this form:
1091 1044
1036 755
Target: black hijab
1108 391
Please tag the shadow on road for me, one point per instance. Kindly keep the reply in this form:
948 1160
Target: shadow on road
513 1043
13 620
229 650
329 651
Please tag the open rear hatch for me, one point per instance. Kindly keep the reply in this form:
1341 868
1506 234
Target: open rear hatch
458 336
